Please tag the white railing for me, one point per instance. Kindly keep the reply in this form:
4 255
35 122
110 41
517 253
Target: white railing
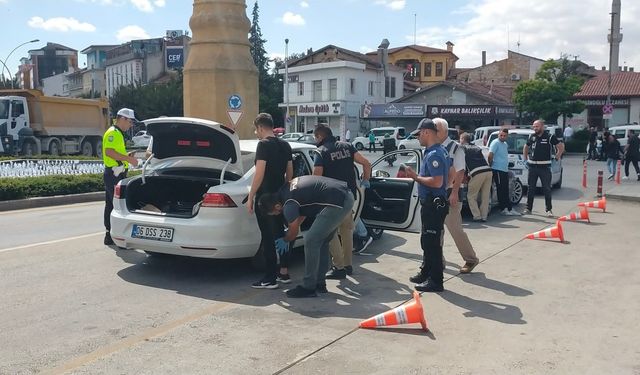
46 167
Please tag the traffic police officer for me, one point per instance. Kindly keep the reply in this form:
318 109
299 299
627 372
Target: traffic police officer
116 162
537 153
432 190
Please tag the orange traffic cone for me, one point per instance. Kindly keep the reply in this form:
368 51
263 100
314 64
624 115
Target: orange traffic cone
582 215
405 314
602 204
553 232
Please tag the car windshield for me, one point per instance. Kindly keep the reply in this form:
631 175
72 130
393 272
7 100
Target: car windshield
4 109
515 142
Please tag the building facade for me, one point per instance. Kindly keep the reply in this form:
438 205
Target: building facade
421 64
330 85
506 72
45 62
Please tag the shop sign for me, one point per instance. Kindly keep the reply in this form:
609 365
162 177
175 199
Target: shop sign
320 109
393 110
462 110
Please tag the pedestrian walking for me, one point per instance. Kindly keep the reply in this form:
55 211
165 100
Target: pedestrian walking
540 148
273 167
327 200
499 161
480 178
347 136
593 137
116 162
453 221
336 159
632 154
372 141
432 184
568 133
613 150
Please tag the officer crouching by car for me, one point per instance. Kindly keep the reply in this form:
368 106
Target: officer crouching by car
432 190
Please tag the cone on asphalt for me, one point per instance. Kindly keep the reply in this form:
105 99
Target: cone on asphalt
601 204
582 215
405 314
553 232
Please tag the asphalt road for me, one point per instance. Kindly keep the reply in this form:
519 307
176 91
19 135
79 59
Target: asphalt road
71 305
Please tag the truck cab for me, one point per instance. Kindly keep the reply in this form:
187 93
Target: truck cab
14 123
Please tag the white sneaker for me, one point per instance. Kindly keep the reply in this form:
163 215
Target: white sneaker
549 213
526 211
625 177
504 212
513 213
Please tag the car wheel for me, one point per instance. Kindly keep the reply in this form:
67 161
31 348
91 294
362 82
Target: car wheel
28 148
558 184
402 147
86 149
359 146
54 148
517 192
375 233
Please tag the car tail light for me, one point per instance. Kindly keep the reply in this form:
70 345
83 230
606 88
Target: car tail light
217 200
117 191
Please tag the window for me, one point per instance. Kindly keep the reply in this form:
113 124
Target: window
333 89
352 86
300 165
390 87
427 69
17 108
317 91
370 88
438 69
300 88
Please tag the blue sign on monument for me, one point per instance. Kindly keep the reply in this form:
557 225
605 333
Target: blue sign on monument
235 102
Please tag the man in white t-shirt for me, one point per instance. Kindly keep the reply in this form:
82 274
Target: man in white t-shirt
568 133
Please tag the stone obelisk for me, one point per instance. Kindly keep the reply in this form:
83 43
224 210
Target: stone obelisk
220 78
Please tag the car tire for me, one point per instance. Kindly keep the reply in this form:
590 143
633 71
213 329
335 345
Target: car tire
29 149
86 148
359 146
54 148
558 184
402 147
375 233
517 193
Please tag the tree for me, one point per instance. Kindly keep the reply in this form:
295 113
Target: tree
258 53
151 100
548 95
5 83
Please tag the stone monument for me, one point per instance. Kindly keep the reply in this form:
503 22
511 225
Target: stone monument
220 77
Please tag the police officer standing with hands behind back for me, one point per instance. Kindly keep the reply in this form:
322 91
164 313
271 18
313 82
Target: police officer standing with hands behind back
537 153
432 190
116 162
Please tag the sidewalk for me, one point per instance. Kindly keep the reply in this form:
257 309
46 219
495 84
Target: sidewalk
628 190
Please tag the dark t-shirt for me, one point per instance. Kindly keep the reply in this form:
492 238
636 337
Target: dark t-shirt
277 153
336 159
541 147
308 195
613 150
634 146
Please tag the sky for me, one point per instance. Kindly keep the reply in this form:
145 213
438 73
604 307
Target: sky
540 28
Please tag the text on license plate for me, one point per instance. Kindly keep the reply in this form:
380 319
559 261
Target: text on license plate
152 233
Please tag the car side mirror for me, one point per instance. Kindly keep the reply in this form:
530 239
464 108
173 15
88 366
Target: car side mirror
380 174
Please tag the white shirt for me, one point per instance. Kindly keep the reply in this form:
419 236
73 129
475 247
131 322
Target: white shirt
459 163
568 132
348 134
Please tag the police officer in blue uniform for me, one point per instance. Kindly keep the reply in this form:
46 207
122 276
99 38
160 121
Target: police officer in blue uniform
432 190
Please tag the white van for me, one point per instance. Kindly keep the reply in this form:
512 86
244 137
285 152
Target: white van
397 133
481 135
622 132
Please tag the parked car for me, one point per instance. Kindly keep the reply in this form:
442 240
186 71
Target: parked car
291 136
397 133
141 139
515 142
621 132
190 200
412 142
309 139
481 135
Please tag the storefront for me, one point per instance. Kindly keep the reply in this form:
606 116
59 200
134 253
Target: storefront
338 115
406 115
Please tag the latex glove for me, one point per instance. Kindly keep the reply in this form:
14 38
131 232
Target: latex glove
282 246
365 184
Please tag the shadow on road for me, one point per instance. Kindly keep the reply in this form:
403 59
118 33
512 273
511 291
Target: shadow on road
498 312
480 279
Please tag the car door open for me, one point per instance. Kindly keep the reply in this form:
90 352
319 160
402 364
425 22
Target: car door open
392 201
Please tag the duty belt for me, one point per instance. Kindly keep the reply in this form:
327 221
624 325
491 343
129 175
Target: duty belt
541 162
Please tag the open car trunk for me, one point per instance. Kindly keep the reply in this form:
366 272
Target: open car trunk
168 195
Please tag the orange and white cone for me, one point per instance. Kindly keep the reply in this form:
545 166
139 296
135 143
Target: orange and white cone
601 204
582 215
553 232
405 314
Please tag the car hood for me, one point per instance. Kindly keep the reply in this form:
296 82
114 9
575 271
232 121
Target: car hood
193 141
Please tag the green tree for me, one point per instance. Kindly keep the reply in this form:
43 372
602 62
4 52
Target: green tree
548 95
151 100
5 83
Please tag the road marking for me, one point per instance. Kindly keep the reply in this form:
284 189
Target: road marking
49 242
145 336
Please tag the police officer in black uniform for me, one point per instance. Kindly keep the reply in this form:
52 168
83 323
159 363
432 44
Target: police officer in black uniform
537 153
432 190
335 159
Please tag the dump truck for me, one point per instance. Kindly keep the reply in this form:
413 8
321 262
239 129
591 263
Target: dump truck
32 123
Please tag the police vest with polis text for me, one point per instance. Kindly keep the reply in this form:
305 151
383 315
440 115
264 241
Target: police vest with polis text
541 148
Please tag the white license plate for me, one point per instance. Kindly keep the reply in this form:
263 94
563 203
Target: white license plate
152 233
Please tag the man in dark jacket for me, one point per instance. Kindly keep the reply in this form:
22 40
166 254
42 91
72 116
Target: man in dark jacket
613 155
632 154
480 178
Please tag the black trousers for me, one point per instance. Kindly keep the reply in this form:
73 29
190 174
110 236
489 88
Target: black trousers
501 179
593 153
372 145
631 160
431 237
544 173
271 228
110 182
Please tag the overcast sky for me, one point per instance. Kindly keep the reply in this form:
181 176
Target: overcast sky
540 28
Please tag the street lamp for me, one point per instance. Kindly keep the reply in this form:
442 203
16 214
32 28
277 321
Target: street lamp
286 85
12 51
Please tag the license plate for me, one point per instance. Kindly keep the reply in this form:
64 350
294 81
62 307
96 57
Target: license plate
152 233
